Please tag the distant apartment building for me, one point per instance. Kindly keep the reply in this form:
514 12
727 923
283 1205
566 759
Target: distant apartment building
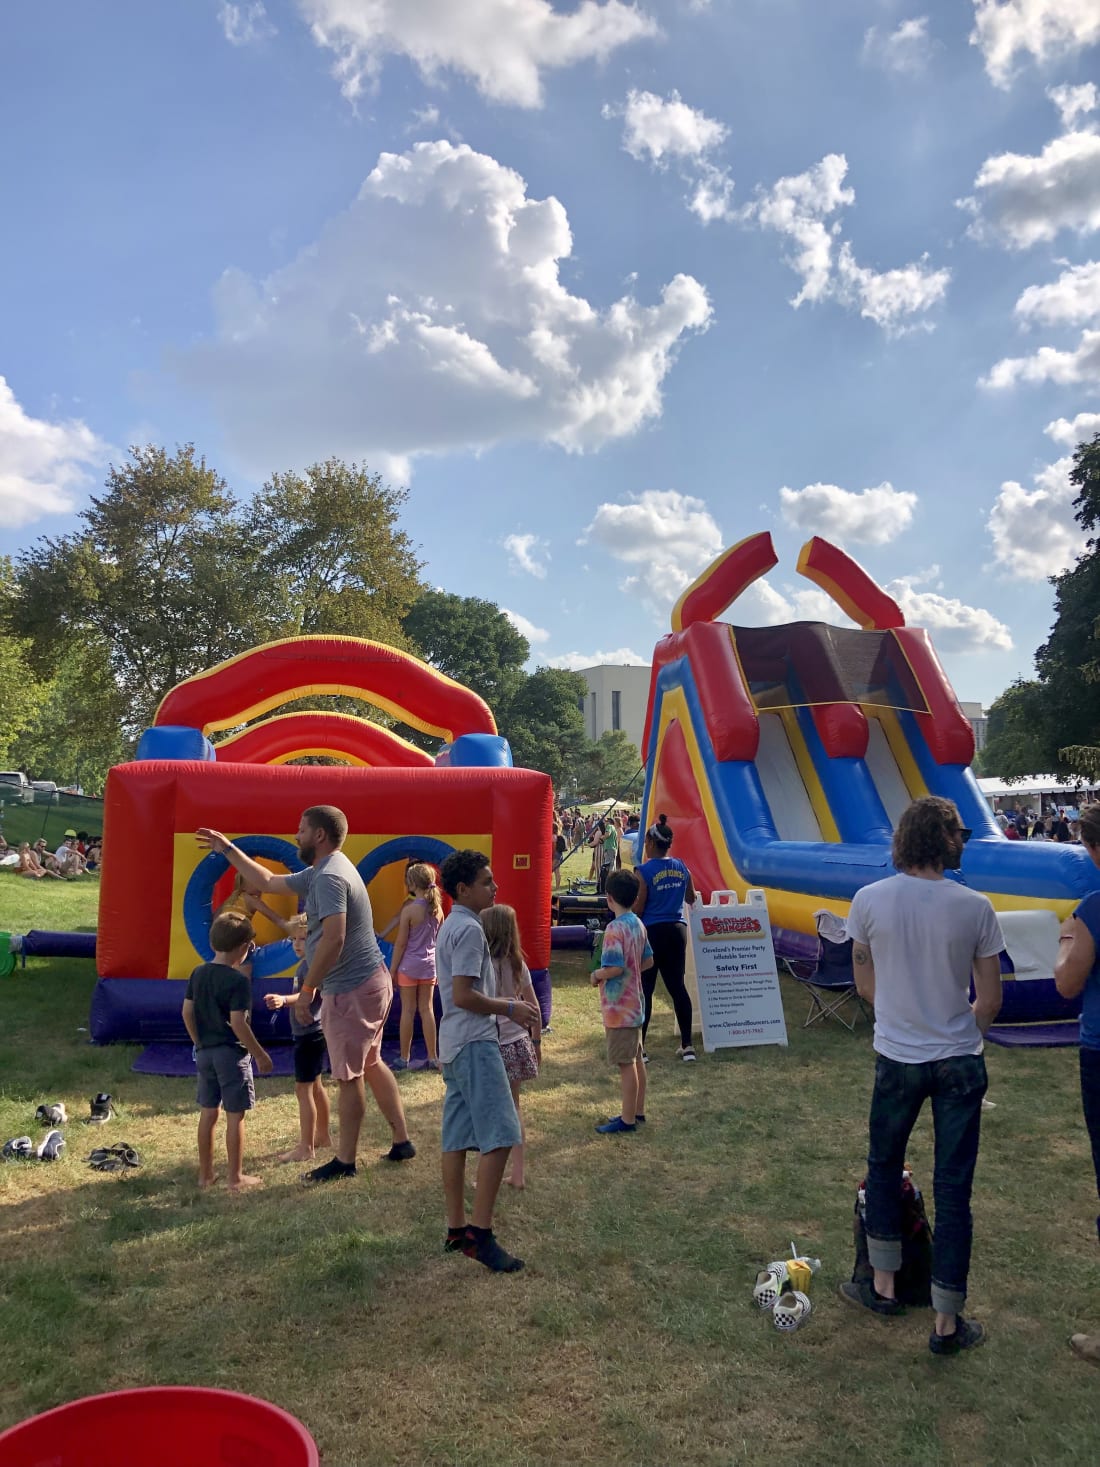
616 699
976 716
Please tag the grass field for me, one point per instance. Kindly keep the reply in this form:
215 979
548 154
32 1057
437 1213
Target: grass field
630 1337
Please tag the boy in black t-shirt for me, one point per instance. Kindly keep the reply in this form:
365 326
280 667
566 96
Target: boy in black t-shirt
216 1014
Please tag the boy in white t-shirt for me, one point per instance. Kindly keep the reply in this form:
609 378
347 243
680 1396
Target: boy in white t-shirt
916 939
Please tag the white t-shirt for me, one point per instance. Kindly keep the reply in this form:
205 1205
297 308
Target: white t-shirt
924 936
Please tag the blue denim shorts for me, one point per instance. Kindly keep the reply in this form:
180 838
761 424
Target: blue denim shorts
478 1111
225 1078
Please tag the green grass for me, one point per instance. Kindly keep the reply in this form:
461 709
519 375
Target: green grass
630 1337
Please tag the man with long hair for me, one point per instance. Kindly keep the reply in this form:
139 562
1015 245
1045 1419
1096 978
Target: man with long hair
916 939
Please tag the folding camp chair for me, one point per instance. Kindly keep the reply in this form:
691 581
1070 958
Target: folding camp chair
830 980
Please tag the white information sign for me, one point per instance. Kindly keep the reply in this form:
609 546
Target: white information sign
738 986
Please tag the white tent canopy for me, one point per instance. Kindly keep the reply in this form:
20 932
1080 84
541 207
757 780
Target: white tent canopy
1032 784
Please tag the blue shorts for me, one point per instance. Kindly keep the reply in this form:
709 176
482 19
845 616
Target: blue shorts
225 1078
478 1111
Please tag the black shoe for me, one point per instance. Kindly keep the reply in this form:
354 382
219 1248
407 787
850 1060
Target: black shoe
52 1147
101 1110
332 1171
52 1115
455 1240
484 1247
968 1335
864 1296
400 1151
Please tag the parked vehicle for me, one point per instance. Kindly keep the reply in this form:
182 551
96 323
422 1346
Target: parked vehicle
14 785
47 787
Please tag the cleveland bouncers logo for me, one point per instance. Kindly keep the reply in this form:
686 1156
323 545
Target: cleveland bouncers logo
731 926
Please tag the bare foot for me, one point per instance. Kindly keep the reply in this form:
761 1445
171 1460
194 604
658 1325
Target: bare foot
243 1183
516 1182
205 1182
324 1143
300 1153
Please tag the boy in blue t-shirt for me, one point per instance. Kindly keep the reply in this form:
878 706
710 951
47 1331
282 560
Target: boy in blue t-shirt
626 952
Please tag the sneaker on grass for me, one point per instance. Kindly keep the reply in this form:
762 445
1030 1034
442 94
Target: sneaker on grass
687 1053
332 1171
400 1151
615 1126
968 1335
864 1296
482 1245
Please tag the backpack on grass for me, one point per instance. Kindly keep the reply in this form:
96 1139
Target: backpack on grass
913 1284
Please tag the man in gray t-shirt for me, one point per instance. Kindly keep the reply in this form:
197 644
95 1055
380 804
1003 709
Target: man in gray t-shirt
346 967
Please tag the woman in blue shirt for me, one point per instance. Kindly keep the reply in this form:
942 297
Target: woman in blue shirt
665 885
1078 971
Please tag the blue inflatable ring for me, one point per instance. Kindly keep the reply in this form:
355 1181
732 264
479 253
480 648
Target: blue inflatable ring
198 900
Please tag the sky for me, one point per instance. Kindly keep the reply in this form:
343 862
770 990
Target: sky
608 286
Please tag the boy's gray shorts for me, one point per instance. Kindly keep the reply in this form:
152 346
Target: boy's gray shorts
225 1078
478 1111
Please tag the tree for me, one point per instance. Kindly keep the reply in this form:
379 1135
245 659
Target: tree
333 549
544 723
21 692
606 767
163 574
76 734
472 641
1052 723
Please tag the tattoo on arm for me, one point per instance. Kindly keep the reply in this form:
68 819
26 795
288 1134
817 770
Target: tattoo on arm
860 955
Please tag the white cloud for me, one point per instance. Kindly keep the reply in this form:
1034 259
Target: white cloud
659 129
430 317
1071 300
712 193
1050 365
872 517
1074 102
666 538
1069 432
1046 29
575 661
1034 531
798 207
535 635
1025 199
502 46
953 625
763 604
41 463
424 117
907 50
244 25
890 297
523 552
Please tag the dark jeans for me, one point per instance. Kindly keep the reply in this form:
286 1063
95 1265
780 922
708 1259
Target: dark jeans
956 1087
669 943
1090 1104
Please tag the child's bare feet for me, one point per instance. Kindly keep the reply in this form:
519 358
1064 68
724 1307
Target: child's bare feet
300 1153
323 1143
517 1182
243 1183
205 1182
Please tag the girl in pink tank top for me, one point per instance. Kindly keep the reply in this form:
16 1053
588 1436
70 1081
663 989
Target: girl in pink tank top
414 961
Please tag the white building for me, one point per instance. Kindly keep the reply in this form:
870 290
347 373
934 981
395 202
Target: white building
616 699
976 716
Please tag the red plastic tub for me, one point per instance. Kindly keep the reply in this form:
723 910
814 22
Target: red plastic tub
162 1426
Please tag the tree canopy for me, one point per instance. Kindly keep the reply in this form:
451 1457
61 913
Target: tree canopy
1051 724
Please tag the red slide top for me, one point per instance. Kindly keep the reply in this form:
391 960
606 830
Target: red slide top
246 687
724 580
853 590
341 736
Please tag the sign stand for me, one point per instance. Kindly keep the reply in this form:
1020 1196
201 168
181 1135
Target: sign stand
739 998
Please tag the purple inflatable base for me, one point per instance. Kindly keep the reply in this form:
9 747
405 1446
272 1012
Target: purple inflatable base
58 945
1036 1036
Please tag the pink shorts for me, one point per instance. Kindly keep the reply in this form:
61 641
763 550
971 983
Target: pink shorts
352 1024
406 980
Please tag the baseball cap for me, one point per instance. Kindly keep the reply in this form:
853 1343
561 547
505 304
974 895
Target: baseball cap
70 832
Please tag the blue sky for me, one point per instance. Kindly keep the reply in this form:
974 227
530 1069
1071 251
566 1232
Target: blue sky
609 285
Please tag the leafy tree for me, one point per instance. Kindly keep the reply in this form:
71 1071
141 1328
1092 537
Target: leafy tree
606 767
1053 723
472 641
162 573
333 549
544 723
76 734
21 692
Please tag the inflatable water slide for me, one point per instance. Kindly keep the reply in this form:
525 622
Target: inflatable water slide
784 755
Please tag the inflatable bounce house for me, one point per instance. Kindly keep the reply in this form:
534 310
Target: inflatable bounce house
784 755
159 890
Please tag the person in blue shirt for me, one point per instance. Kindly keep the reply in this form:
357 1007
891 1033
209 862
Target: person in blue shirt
665 884
1078 971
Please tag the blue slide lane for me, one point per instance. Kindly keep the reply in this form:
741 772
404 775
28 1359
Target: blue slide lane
859 813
